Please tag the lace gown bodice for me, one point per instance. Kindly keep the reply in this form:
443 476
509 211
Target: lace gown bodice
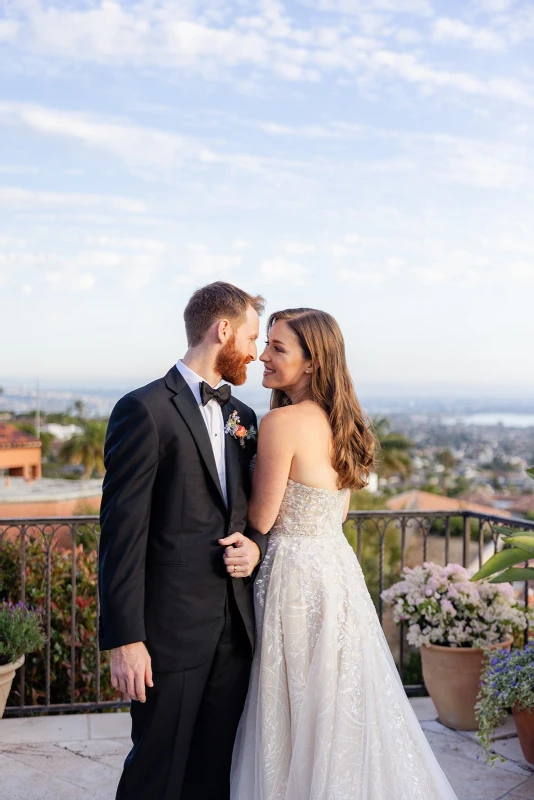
308 511
326 716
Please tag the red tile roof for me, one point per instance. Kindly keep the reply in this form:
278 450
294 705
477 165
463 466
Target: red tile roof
11 436
417 500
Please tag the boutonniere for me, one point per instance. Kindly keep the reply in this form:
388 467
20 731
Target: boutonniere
238 431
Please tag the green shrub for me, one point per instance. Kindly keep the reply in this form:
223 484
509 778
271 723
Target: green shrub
85 628
370 553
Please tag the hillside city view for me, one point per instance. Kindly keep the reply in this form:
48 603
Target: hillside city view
472 448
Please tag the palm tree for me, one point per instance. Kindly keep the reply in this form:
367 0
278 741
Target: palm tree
87 448
394 455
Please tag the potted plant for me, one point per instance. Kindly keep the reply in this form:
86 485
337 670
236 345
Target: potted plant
508 685
453 621
21 632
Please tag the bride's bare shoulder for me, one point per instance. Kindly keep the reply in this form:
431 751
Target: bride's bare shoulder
278 417
291 416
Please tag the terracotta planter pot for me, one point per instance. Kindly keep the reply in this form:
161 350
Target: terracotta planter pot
7 673
452 678
524 723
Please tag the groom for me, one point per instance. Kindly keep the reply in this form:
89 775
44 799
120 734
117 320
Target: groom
176 555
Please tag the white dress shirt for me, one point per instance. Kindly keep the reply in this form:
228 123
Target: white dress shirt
213 417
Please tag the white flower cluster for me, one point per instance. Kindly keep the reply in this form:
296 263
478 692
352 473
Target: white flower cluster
441 606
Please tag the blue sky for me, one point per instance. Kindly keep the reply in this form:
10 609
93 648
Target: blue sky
374 159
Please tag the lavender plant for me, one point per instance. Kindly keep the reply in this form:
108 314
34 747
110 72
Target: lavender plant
21 631
507 681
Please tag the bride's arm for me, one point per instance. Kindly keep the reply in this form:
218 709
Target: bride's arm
273 463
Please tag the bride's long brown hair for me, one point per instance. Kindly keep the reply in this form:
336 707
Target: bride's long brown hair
331 388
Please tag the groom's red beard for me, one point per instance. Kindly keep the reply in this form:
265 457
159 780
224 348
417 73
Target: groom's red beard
231 364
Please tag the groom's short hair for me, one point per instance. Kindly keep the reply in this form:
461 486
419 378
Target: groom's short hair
215 301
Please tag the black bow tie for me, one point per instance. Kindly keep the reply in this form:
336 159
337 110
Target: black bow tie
222 394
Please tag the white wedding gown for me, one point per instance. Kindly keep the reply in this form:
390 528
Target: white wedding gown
326 716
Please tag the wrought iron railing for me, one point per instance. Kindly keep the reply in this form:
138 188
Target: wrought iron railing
52 562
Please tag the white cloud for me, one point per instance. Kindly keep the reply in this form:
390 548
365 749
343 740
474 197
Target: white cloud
361 277
418 7
283 270
78 270
430 275
8 29
138 275
135 145
240 244
69 281
12 241
172 36
201 264
349 245
16 169
138 147
15 197
154 246
495 6
336 130
83 282
453 30
293 248
409 67
474 162
523 270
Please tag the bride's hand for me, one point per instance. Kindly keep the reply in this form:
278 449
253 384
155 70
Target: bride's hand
241 555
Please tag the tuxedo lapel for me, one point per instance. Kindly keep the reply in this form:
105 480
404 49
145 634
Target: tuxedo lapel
231 458
188 408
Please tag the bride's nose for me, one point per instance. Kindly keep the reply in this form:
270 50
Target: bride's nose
264 356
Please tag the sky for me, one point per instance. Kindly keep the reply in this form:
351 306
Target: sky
371 158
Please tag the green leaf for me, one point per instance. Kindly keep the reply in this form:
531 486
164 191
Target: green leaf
525 542
530 472
511 575
504 531
506 558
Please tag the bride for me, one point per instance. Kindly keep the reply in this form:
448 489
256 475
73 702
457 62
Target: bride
326 716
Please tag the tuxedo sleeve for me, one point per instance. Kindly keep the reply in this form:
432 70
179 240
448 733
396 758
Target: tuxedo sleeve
131 461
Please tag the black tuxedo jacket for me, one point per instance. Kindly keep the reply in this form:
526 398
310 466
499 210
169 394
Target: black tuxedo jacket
162 578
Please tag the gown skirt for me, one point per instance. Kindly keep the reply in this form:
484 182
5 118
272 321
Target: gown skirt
326 717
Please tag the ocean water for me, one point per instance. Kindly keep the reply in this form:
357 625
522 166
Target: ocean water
508 419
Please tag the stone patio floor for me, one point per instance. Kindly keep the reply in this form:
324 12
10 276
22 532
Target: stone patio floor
80 756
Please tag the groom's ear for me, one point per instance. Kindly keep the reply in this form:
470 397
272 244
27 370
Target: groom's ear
222 330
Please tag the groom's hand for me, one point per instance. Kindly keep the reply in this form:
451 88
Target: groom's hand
131 670
241 555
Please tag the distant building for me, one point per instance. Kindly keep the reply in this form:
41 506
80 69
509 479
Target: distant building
20 453
416 500
49 497
62 432
372 485
517 504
